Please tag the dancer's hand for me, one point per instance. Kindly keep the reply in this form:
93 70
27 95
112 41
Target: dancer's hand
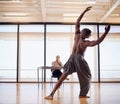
88 8
107 28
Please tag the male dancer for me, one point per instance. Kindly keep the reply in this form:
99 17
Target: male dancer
76 62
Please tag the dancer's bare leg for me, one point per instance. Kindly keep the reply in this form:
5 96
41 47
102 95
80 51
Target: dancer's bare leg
59 82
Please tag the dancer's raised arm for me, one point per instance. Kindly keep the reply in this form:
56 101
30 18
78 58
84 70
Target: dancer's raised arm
93 43
77 27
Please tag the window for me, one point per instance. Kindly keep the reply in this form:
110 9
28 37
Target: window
58 40
109 55
31 51
8 52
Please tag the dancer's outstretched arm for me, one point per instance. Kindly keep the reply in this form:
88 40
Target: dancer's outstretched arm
99 40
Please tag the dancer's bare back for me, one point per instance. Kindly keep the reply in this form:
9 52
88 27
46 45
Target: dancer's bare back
79 45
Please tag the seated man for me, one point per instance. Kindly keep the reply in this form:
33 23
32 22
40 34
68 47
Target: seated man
56 67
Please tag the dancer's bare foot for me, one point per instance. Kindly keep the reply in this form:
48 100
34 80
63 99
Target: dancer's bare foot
84 97
49 97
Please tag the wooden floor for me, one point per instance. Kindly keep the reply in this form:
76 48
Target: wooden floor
31 93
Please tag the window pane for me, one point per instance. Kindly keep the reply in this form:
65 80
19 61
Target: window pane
8 52
57 43
31 51
109 55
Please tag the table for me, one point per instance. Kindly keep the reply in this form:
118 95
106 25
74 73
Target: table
43 68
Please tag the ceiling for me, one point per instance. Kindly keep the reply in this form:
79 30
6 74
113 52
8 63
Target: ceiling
59 10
